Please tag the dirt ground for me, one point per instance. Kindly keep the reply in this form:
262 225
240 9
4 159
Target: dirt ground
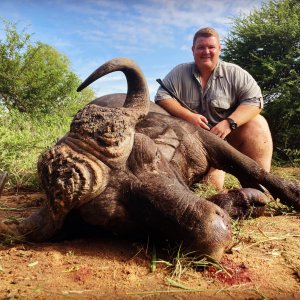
264 263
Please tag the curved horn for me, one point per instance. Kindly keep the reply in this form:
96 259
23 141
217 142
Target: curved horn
137 91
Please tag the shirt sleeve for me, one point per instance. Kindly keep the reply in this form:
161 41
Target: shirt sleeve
161 94
172 82
259 102
248 90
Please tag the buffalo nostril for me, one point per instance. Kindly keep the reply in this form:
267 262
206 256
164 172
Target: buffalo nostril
220 221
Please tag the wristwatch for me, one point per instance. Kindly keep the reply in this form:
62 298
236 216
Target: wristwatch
232 123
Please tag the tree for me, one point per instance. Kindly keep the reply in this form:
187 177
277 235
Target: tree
34 77
267 44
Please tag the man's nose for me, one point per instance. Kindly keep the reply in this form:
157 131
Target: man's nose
206 50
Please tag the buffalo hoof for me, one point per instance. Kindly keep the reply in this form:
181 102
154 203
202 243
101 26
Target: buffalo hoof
242 203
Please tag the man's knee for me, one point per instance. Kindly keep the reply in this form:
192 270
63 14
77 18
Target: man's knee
254 140
258 124
256 130
259 132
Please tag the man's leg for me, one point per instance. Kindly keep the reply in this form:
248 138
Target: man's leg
216 178
252 139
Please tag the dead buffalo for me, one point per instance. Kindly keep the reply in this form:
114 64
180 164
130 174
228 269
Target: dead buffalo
128 166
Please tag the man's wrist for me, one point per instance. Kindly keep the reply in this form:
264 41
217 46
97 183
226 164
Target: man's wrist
232 124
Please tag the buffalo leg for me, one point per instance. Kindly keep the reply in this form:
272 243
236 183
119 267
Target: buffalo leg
40 226
242 203
158 198
164 205
225 157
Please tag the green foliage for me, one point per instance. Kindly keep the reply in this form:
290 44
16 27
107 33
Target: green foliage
38 100
23 137
34 78
267 44
207 190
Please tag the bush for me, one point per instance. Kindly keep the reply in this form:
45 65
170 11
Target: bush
34 78
38 99
267 44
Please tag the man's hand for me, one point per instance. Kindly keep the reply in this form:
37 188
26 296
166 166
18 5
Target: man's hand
174 108
222 129
198 120
241 115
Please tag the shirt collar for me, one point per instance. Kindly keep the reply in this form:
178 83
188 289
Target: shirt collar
195 71
218 71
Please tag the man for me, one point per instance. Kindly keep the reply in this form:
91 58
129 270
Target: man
222 95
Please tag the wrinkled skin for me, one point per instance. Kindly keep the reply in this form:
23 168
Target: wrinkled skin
128 169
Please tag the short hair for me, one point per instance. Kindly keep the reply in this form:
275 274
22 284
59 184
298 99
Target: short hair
206 32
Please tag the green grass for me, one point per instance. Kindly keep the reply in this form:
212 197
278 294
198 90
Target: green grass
23 138
206 190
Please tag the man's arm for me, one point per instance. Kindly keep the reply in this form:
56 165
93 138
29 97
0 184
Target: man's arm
174 108
241 115
245 113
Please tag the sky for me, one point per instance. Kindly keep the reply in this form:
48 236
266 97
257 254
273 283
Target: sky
156 34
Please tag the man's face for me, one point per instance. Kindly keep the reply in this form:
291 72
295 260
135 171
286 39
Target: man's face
206 52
